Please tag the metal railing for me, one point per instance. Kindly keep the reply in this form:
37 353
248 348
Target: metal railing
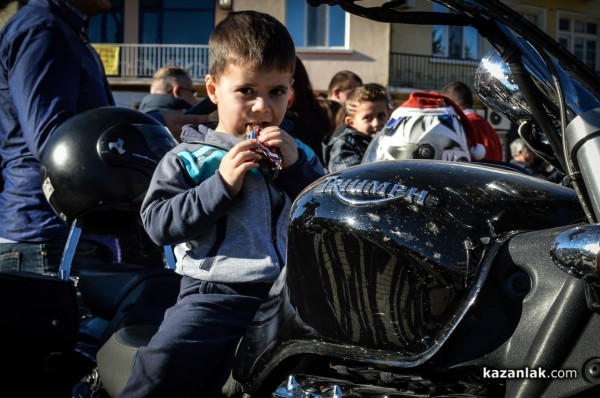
425 72
138 62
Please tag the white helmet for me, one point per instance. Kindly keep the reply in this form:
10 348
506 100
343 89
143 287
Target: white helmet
426 126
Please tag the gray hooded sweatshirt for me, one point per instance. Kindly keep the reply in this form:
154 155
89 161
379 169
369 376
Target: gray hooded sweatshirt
218 237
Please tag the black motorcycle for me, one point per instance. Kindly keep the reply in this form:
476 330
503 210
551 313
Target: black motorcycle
422 278
412 278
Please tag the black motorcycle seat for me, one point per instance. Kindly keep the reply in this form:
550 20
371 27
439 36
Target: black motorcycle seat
115 357
103 290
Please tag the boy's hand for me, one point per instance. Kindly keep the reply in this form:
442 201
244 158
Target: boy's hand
236 164
275 137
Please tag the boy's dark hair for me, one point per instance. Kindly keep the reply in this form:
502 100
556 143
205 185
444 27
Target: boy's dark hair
251 39
460 93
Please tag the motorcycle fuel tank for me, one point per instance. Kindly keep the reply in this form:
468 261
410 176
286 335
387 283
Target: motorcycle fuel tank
385 258
383 255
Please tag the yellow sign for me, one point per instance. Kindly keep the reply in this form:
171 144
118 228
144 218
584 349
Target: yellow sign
109 54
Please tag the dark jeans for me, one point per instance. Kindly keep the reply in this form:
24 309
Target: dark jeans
44 258
192 353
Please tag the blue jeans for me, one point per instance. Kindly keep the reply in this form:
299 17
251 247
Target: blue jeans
44 258
192 353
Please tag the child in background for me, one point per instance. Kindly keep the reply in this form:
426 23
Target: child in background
482 131
225 208
365 113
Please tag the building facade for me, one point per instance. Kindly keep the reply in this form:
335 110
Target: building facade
139 36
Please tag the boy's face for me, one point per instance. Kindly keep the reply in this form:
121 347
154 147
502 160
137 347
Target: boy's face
245 97
370 117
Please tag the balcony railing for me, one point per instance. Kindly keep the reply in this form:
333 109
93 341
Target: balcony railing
138 62
425 72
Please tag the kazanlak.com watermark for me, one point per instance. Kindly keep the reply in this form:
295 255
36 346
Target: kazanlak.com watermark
529 373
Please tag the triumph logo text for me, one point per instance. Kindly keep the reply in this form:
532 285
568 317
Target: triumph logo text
358 191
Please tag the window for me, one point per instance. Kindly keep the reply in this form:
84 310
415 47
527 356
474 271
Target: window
108 26
323 26
581 38
456 42
535 15
176 21
532 17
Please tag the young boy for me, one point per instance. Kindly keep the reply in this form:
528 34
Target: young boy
365 113
225 209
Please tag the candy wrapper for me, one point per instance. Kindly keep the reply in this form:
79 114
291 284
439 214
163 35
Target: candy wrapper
270 157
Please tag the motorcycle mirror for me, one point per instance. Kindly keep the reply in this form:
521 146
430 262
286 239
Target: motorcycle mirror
496 87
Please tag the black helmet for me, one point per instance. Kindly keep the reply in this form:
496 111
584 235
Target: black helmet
97 166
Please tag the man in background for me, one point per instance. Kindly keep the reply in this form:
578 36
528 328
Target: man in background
171 88
484 133
340 85
530 163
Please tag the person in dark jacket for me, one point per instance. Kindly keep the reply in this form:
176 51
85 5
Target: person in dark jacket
530 163
366 111
49 72
171 88
225 208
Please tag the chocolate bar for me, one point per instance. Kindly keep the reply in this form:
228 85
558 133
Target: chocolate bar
272 158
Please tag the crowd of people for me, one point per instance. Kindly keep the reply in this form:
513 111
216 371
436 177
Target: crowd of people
339 124
213 181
